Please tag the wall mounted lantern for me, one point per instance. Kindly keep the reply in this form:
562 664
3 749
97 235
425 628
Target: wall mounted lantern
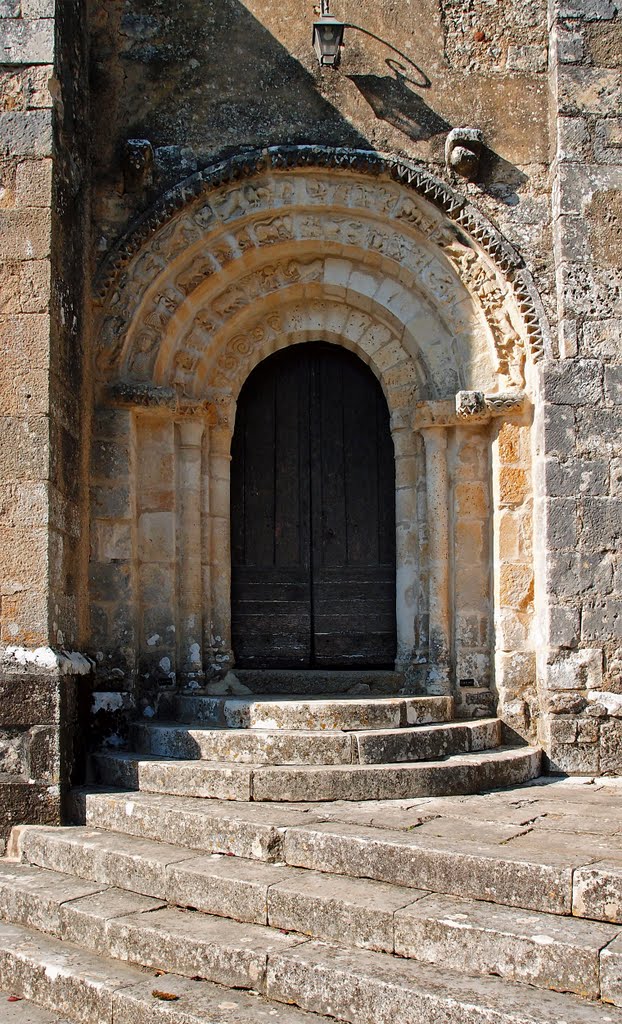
328 37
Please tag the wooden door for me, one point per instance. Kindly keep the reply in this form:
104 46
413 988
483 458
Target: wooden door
313 515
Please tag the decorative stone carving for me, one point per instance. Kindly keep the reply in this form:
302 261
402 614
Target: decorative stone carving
473 405
137 164
463 149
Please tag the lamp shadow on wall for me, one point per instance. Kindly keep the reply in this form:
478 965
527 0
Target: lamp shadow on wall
393 100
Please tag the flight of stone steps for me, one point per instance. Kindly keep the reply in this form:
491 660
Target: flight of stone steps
205 881
327 746
193 911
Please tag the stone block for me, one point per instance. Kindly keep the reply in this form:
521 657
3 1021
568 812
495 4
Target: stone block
601 522
109 582
523 946
608 140
611 973
109 461
570 46
26 134
33 897
156 537
602 621
561 523
196 945
34 279
526 58
10 8
39 969
111 542
576 670
33 183
516 585
573 139
588 10
611 747
603 338
127 863
25 234
514 486
576 476
27 42
563 626
38 8
559 430
84 921
597 891
576 382
584 90
225 886
613 384
350 911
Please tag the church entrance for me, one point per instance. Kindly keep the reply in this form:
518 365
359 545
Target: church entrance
313 514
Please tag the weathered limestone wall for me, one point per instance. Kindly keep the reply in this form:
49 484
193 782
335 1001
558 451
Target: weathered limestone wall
580 500
198 79
42 401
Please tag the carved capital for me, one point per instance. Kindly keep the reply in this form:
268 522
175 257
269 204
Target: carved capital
468 407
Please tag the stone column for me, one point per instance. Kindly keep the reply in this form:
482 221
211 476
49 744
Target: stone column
407 562
437 490
221 432
189 435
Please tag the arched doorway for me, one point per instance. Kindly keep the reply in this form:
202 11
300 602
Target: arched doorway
313 514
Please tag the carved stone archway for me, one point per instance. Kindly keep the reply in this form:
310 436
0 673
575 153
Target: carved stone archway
293 244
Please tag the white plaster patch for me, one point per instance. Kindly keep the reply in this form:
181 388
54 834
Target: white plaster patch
611 701
152 640
165 664
107 702
195 654
148 712
65 662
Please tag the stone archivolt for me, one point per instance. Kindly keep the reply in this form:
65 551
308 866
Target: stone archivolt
175 305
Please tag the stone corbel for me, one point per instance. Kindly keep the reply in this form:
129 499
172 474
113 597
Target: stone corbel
469 407
475 405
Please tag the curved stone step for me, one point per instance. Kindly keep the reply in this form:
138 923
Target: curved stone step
455 775
344 714
357 986
289 747
561 953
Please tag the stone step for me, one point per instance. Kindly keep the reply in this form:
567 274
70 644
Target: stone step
86 988
374 682
285 747
537 877
344 714
16 1010
561 953
357 986
454 775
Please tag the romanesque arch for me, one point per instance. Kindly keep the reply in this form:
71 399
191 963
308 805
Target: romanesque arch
293 244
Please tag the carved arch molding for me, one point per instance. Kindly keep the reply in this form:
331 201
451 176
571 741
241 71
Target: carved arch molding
288 244
227 261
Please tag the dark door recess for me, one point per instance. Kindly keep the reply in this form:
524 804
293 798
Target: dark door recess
313 514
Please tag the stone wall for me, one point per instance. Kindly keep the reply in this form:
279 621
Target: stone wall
41 222
580 498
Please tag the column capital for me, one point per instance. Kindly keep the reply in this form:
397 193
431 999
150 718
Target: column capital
190 432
